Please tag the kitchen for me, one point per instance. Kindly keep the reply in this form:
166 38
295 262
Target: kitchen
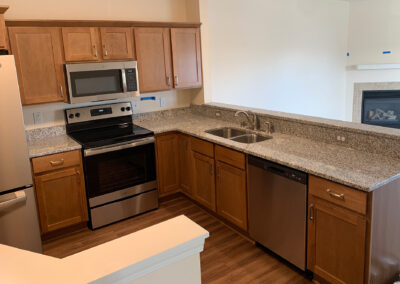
129 123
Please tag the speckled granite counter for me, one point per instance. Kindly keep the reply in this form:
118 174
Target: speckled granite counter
357 169
43 146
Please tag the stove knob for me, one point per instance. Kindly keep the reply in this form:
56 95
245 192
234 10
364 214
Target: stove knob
71 115
122 109
77 114
128 108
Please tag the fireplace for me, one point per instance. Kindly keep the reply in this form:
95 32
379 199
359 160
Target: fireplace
381 108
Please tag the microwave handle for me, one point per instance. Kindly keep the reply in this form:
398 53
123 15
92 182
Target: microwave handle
124 87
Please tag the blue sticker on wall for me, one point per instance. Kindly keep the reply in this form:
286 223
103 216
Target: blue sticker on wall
148 98
386 52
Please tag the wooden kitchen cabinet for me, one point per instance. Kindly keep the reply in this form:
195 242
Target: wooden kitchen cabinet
60 191
336 236
167 163
39 62
117 43
153 49
186 57
81 44
185 165
3 31
204 180
231 186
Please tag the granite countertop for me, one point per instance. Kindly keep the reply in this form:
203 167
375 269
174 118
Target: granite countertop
51 145
360 170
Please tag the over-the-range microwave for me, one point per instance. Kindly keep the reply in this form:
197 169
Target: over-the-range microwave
90 82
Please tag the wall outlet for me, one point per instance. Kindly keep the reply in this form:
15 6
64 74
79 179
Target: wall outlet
163 102
218 114
134 105
341 138
37 117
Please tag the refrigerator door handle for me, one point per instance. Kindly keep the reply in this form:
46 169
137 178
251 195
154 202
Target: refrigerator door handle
19 196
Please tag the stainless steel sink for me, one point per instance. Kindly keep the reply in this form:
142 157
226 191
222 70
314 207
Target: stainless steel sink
250 138
238 135
227 132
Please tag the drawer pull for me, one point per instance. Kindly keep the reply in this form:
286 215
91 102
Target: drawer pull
335 195
57 163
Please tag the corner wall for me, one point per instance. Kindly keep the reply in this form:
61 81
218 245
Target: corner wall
278 55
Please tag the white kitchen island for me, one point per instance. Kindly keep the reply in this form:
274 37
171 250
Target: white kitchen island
168 252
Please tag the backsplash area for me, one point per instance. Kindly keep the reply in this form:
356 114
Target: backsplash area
48 115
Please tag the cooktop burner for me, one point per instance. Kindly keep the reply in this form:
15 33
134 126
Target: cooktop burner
103 125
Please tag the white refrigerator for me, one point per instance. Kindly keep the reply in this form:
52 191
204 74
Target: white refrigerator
19 226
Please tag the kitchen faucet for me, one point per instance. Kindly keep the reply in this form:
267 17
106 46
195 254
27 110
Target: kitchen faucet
252 122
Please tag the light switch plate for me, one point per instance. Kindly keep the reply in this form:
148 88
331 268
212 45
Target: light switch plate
38 117
163 102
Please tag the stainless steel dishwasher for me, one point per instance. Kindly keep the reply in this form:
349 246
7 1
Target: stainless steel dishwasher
278 209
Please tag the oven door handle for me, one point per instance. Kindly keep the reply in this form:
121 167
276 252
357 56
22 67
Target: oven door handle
102 150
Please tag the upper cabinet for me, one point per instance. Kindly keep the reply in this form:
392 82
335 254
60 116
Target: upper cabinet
39 60
153 50
3 34
97 44
186 57
168 58
117 43
81 44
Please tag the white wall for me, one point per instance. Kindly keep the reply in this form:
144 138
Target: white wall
374 27
135 10
286 55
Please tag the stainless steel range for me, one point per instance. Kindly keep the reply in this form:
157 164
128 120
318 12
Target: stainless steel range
118 159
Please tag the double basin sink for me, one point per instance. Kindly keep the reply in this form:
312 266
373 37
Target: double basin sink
238 135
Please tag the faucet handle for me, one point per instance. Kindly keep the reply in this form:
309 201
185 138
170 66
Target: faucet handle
268 128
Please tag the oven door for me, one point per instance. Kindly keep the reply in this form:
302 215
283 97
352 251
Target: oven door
88 82
120 171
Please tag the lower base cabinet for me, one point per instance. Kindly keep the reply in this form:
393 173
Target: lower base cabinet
60 191
204 180
231 194
336 235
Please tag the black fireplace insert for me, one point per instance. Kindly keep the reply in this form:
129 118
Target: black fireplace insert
381 108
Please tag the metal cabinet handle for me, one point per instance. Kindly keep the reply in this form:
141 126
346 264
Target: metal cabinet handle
176 80
312 212
61 91
105 50
169 81
57 163
335 195
95 50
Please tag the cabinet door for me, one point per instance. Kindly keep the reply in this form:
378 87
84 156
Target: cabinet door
231 194
61 199
185 165
3 36
336 242
81 44
154 59
117 43
39 61
186 57
204 180
167 163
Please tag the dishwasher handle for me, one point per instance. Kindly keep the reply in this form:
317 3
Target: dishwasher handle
278 169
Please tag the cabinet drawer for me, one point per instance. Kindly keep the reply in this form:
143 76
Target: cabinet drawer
231 157
203 147
56 161
339 194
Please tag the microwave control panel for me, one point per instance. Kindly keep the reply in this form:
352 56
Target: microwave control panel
131 83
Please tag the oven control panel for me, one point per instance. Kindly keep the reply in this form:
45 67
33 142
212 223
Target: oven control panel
75 115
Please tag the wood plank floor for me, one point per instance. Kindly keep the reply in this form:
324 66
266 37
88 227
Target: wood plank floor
227 257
